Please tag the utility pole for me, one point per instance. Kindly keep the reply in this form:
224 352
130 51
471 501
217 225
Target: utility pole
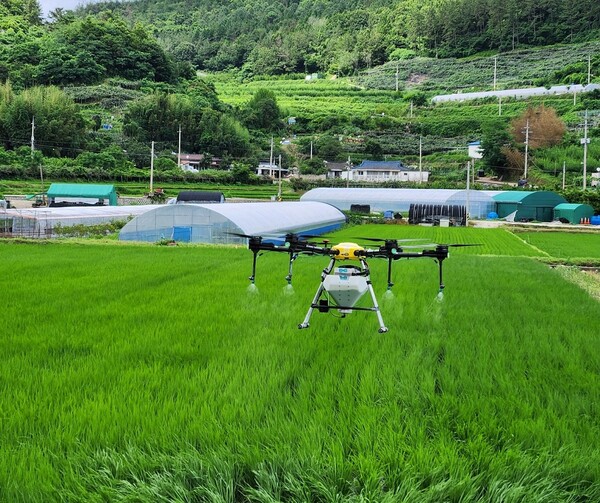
32 153
348 167
499 105
279 190
526 148
32 135
152 168
585 140
589 69
564 172
271 158
468 192
420 159
311 149
179 149
411 109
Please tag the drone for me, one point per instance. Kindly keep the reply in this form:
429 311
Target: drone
347 278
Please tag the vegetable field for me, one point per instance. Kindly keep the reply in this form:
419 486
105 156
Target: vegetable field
149 373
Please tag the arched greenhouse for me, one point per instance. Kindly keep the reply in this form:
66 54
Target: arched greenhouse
479 202
215 223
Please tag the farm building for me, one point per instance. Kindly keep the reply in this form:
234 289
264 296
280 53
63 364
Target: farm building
214 223
43 222
384 171
573 212
480 202
523 205
70 194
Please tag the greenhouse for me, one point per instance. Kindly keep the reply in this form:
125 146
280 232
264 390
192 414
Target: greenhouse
217 223
573 213
480 202
44 222
522 206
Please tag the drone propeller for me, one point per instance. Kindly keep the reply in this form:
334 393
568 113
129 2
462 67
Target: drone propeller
435 245
424 245
240 235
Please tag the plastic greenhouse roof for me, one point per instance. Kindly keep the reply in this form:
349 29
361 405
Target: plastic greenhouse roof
80 190
80 214
263 218
216 222
41 222
378 199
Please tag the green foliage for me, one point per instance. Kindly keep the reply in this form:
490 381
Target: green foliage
274 37
314 166
85 51
88 231
262 111
59 126
158 117
494 139
221 134
328 147
243 174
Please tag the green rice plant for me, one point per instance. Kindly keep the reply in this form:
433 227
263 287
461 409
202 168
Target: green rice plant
564 245
147 373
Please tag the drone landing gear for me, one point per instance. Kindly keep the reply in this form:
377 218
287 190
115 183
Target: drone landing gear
344 286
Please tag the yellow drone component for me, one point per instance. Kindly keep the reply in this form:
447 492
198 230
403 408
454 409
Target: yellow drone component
346 251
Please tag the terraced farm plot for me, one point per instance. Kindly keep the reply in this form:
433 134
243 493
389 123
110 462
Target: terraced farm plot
146 373
311 99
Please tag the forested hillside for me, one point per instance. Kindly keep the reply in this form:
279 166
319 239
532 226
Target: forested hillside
337 36
100 85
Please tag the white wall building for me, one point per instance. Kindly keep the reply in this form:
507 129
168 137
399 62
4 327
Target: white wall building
384 171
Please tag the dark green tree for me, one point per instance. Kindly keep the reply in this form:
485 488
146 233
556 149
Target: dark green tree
262 111
222 135
158 117
494 140
59 126
328 147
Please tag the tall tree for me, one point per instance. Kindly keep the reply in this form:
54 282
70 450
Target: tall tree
59 126
262 111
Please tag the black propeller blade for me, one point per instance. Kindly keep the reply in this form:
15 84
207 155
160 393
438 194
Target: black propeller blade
458 245
238 234
435 245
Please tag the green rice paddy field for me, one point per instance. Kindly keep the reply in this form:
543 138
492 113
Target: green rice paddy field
151 373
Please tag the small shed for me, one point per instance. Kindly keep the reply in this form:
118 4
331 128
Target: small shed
522 205
81 194
573 212
200 197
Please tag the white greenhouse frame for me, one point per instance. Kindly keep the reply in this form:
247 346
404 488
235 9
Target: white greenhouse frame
218 223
